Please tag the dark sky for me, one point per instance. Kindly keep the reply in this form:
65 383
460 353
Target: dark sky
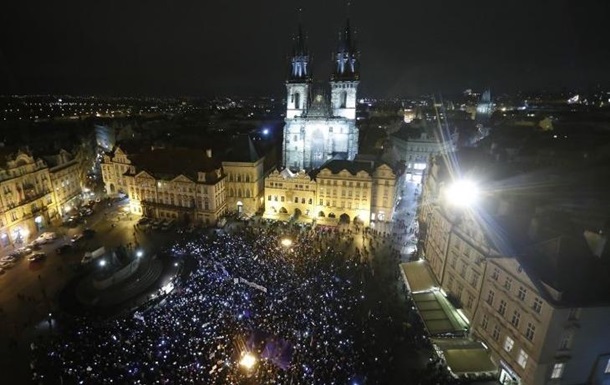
179 47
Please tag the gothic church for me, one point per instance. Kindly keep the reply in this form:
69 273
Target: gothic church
319 128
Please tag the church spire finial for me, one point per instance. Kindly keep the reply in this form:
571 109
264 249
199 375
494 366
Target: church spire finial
299 63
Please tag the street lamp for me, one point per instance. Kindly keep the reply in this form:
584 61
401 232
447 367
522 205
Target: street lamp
247 360
462 193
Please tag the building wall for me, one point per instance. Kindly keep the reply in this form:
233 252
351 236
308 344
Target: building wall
113 169
245 186
66 181
345 194
341 196
289 196
343 98
292 90
310 142
26 200
180 198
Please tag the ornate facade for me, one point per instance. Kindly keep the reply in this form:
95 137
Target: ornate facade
319 128
178 184
340 191
34 192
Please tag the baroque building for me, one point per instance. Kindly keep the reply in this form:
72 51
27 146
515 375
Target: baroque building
183 184
319 128
362 192
528 277
35 192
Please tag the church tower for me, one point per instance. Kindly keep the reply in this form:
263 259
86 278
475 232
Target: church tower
345 76
299 80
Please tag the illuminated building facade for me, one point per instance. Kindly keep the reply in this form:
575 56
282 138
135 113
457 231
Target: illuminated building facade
182 184
339 192
244 184
319 128
27 201
523 281
66 175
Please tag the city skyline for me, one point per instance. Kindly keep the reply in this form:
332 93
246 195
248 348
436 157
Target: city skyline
242 48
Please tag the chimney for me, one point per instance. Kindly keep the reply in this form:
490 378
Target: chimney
208 152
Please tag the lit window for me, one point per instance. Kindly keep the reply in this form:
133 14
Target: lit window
508 344
557 370
522 359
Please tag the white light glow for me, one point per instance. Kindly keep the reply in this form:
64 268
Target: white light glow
462 193
247 361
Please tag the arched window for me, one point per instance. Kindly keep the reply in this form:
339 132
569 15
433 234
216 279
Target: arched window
247 193
343 102
297 101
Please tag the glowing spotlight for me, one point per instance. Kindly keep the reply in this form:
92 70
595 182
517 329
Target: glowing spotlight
266 131
102 262
462 193
139 253
286 242
247 361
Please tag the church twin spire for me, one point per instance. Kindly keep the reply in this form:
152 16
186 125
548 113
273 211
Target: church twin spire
345 59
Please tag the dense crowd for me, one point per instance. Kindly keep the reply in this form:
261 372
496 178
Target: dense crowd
298 307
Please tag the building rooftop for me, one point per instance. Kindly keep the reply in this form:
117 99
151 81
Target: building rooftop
169 163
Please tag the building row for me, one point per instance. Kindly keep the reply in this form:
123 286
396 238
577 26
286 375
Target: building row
36 191
525 268
196 185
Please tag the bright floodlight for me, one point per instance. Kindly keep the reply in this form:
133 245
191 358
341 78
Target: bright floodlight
102 262
266 131
247 361
462 193
139 253
286 242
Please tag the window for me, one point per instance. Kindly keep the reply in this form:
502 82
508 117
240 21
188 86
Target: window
566 341
502 308
508 283
508 344
537 305
470 301
496 333
282 198
529 332
557 370
296 199
522 359
495 274
522 293
463 271
484 322
490 297
574 314
515 320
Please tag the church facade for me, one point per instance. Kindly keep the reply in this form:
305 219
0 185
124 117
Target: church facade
319 126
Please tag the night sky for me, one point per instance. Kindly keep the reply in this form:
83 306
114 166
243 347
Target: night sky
205 48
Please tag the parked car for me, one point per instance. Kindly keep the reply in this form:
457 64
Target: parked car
8 258
76 237
6 264
37 257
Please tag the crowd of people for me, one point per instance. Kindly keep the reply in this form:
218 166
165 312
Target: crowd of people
298 307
